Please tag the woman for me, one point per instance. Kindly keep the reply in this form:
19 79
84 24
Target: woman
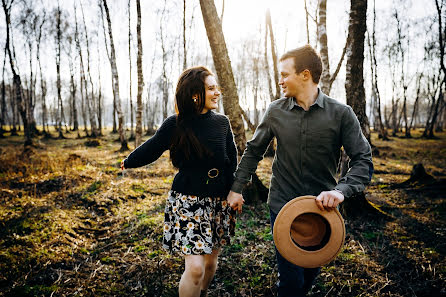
198 219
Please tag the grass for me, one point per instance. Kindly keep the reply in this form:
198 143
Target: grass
72 224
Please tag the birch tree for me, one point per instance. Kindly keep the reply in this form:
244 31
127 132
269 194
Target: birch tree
115 82
327 79
17 81
140 77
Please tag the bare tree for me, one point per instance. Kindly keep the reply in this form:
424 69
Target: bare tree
43 88
256 191
164 75
374 75
354 79
140 78
23 106
440 100
91 97
223 67
82 79
355 93
132 136
3 112
114 129
184 36
306 21
99 89
61 115
404 83
269 27
115 82
73 85
29 21
326 79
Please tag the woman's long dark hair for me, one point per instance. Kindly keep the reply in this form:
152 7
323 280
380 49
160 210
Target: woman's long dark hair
185 143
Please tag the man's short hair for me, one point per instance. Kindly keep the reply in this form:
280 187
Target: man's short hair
306 57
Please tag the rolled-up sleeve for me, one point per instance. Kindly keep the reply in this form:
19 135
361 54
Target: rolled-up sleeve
358 149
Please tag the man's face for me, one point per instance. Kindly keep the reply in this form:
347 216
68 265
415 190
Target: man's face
289 81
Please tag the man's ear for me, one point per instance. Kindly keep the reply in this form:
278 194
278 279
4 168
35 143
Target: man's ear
306 74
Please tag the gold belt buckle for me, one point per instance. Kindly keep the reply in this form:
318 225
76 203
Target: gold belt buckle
213 175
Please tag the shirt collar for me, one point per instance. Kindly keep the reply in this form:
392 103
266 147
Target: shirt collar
319 100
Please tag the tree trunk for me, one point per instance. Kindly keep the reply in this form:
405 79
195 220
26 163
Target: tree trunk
184 35
374 74
3 99
115 82
354 80
59 85
267 69
415 105
132 135
223 67
91 98
82 80
273 53
73 89
114 129
322 37
231 105
17 83
43 89
306 21
164 82
355 93
140 79
100 93
327 80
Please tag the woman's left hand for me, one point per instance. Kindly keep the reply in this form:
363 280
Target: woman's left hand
235 201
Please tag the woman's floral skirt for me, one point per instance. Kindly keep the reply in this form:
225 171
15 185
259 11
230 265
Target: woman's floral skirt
197 225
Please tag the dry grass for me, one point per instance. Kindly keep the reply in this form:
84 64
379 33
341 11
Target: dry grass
72 224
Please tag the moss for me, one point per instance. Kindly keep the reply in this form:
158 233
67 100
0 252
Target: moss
94 186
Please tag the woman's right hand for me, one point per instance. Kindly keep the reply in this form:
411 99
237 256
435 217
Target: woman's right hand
235 201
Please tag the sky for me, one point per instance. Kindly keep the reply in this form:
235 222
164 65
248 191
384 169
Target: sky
242 20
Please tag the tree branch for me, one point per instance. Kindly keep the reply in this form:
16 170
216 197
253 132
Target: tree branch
250 125
333 77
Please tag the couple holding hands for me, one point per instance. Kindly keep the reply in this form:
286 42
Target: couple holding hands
310 129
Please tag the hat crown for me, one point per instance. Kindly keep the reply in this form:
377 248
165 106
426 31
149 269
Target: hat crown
308 229
307 236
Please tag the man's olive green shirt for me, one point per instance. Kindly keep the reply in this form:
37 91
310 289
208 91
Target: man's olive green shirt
308 150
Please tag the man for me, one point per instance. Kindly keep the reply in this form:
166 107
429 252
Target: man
310 129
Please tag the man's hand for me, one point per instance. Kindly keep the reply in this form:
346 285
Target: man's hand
122 165
328 200
235 201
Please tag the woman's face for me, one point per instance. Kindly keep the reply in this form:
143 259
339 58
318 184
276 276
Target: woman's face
212 94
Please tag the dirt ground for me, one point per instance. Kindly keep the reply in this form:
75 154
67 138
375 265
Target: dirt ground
72 224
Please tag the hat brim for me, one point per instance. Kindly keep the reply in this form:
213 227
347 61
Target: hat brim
297 255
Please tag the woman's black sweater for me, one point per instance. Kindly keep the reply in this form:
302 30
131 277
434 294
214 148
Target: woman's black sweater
214 132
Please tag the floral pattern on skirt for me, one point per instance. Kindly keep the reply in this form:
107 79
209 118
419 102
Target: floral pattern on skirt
196 225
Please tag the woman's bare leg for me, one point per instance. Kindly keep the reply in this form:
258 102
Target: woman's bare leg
210 266
193 275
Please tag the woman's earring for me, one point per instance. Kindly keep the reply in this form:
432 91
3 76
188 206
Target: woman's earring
195 100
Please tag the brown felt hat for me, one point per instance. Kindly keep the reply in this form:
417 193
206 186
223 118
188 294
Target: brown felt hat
306 235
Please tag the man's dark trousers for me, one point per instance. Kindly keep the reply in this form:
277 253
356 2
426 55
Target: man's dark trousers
294 281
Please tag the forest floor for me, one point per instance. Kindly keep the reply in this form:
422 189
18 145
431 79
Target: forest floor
72 224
